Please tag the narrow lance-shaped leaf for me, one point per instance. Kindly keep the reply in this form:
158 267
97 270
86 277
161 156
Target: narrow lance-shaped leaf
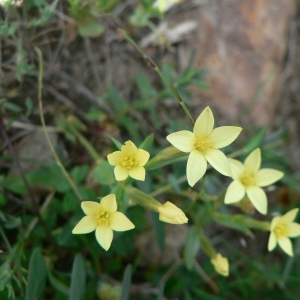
77 288
36 276
126 284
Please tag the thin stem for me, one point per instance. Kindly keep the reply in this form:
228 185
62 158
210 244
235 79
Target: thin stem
151 63
40 86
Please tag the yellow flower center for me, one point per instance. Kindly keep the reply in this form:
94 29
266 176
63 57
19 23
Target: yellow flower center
129 162
103 218
281 230
202 145
247 179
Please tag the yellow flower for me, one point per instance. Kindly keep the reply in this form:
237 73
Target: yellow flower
172 214
248 179
203 145
129 161
104 218
221 264
283 228
163 5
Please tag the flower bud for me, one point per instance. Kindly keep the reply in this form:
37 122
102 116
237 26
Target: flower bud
221 264
172 214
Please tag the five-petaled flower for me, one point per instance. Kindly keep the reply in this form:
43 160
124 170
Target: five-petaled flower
172 214
203 145
104 218
130 161
283 228
221 264
248 179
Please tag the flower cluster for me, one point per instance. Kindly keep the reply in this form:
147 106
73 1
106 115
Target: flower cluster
203 145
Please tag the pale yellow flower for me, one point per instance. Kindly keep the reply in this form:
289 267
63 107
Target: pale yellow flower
130 161
203 145
283 228
104 218
221 264
248 179
163 5
172 214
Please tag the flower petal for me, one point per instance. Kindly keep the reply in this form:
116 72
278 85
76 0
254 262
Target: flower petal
109 203
274 222
196 167
235 192
286 245
224 136
265 177
237 168
258 198
129 148
219 161
204 123
138 173
252 162
119 222
115 158
183 140
289 216
90 207
272 241
86 225
104 236
294 229
141 157
121 173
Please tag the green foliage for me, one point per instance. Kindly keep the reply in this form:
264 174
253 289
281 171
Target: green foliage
37 276
77 289
40 258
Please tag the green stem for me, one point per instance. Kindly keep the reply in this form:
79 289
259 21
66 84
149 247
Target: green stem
157 70
40 86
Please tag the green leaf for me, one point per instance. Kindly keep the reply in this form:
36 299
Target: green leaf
12 106
29 107
5 275
147 143
255 140
91 30
116 142
36 275
77 289
144 86
234 222
103 173
12 222
126 283
3 199
113 96
59 286
70 201
191 248
65 235
159 229
79 173
200 84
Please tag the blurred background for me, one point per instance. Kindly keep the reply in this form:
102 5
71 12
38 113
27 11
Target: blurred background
240 57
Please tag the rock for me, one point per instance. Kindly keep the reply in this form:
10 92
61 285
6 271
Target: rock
243 44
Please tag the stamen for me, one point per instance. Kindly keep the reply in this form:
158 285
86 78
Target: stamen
247 179
281 230
202 145
128 162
